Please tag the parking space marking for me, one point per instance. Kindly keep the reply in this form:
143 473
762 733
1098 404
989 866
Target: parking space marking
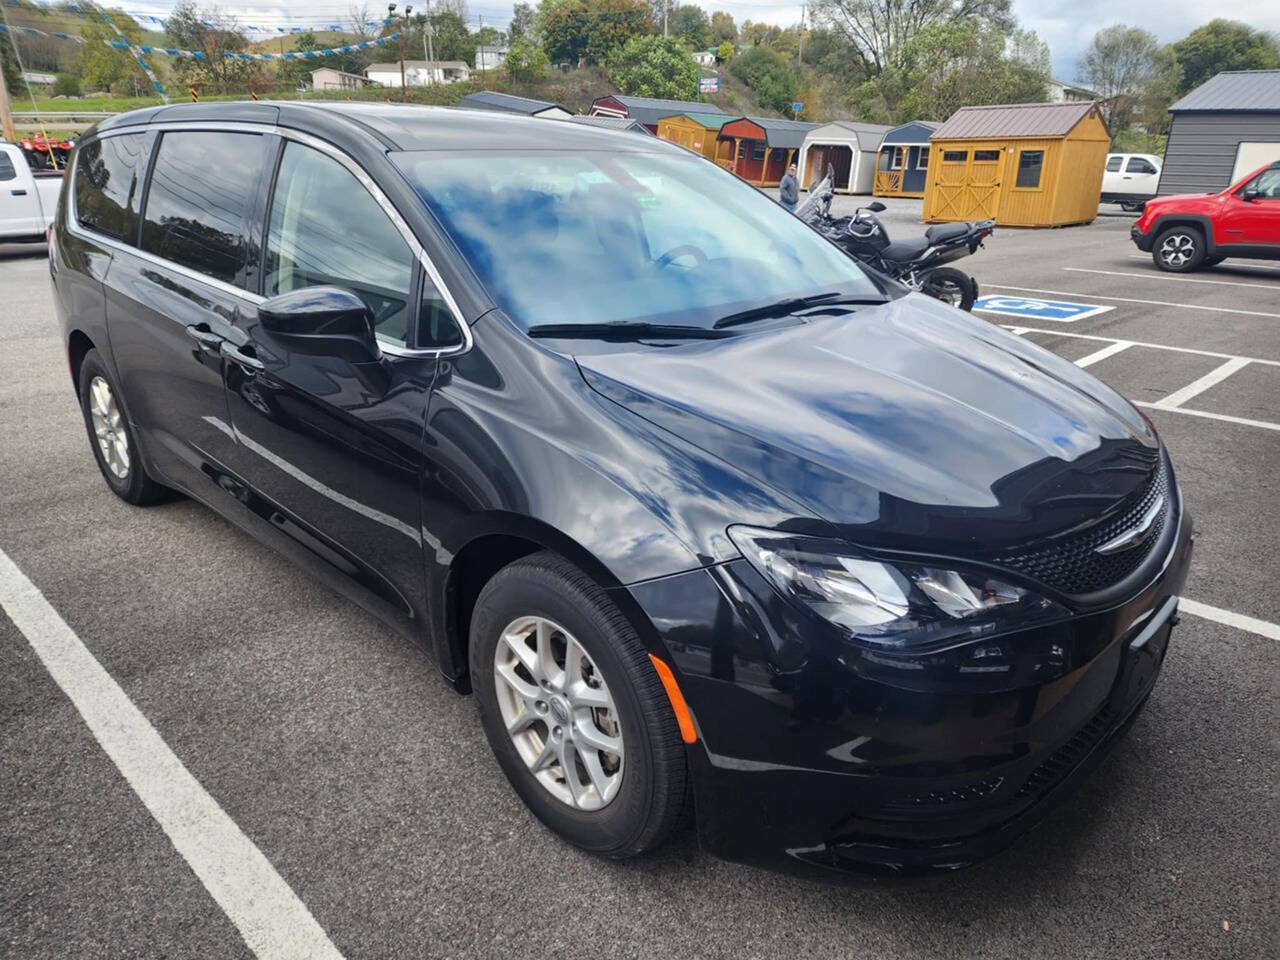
273 921
1028 308
1230 618
1166 276
1224 417
1197 387
1140 343
1108 351
1151 303
1235 264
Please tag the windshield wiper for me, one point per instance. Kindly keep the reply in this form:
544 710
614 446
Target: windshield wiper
625 330
784 308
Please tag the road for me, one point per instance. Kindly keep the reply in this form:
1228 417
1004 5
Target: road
341 755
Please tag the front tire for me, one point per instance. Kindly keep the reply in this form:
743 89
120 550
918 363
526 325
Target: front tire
574 710
1179 249
951 286
111 437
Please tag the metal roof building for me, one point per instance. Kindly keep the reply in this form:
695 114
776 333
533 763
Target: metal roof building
612 123
849 147
903 164
648 110
1222 130
763 147
509 103
1022 164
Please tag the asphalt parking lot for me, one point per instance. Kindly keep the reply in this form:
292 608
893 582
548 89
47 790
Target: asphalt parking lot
335 748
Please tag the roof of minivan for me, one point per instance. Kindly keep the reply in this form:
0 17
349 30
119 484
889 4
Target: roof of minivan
403 126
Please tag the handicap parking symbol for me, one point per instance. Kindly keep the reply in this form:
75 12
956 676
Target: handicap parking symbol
1028 308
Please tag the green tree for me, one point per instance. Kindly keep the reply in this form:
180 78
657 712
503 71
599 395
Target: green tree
654 67
522 22
770 74
613 23
9 64
297 73
564 28
526 62
214 34
691 24
1224 45
1121 64
724 52
102 65
66 85
723 28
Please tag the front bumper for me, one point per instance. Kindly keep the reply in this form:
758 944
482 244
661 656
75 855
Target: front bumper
807 760
1143 241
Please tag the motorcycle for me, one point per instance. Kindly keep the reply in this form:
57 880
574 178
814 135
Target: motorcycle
917 263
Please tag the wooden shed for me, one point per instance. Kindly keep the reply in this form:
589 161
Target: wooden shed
762 147
903 163
1023 164
648 110
849 147
700 133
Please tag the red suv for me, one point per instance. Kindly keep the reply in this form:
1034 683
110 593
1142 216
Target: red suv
1185 232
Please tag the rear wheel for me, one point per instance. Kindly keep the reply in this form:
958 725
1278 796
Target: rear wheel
111 437
574 710
951 286
1179 249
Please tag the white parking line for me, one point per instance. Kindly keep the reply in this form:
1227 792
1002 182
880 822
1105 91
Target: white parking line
273 921
1230 618
1235 264
1199 386
1153 303
1107 351
1165 276
1140 343
1225 418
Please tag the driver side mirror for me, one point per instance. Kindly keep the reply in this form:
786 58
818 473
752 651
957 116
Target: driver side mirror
875 206
1250 196
322 321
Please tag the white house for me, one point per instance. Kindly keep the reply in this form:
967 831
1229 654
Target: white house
705 58
327 78
1059 92
418 73
490 58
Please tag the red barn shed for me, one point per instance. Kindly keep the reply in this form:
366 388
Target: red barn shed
763 147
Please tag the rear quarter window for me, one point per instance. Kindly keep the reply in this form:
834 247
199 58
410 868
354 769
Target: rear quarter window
108 182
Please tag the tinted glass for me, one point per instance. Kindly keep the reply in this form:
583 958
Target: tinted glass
1139 165
1113 164
7 169
326 228
586 237
986 156
1266 185
108 185
955 156
201 198
436 324
1029 164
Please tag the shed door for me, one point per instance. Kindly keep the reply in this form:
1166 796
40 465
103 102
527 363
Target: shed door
982 189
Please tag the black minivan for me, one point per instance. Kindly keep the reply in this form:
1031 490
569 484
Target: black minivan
712 521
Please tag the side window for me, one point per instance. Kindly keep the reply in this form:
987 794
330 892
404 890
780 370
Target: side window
955 156
986 156
201 195
7 169
1266 185
437 326
923 160
326 228
1030 163
1114 163
108 185
1139 165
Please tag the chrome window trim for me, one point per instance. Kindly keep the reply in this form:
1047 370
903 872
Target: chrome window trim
306 139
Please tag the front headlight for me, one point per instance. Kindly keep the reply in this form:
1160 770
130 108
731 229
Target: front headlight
892 606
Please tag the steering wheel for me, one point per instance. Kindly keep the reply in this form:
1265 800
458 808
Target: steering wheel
675 253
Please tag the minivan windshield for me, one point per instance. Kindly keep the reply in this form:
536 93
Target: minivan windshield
592 237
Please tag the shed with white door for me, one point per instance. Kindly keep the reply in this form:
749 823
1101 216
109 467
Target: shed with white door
849 147
1222 130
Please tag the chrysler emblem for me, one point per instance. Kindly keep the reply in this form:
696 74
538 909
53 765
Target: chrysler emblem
1136 535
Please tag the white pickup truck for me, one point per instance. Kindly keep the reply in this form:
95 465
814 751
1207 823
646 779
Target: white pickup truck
1130 179
27 201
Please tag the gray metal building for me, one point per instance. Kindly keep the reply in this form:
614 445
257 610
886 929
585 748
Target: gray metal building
1223 129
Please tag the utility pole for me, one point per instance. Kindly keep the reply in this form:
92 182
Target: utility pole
666 4
400 25
427 45
6 113
803 10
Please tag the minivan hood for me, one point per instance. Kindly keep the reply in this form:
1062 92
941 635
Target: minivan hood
903 425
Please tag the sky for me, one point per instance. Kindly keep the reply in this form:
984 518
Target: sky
1066 25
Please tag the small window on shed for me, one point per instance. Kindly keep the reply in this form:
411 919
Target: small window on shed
895 159
922 161
1030 163
758 151
955 156
986 156
1113 164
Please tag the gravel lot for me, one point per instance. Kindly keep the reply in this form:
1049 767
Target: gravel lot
338 750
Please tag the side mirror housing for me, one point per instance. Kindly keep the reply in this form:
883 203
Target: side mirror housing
1250 196
322 321
875 206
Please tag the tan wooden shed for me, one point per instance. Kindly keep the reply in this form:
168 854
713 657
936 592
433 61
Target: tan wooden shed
1022 164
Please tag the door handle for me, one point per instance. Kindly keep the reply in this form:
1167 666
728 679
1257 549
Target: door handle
18 192
204 336
243 355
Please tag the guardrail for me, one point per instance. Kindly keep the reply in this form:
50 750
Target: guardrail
53 116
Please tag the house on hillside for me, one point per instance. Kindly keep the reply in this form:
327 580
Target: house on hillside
647 110
848 146
1222 130
1059 92
763 147
418 73
1021 164
327 78
705 58
509 103
491 57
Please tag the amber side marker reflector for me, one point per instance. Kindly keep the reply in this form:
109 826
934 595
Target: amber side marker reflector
688 732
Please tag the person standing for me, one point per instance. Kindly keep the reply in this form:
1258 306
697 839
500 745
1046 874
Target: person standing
789 189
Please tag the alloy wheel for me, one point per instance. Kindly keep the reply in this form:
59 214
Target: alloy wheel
1177 249
108 428
559 712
